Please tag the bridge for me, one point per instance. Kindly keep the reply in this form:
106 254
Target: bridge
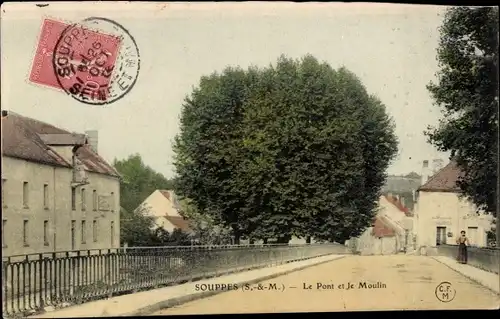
245 279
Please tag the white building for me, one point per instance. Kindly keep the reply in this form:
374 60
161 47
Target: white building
441 214
164 207
58 194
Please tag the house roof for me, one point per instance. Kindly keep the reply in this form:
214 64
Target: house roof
397 203
445 180
27 138
401 184
179 222
381 228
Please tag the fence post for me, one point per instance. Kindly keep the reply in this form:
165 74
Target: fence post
5 279
40 279
55 275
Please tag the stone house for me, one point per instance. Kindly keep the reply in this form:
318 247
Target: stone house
58 194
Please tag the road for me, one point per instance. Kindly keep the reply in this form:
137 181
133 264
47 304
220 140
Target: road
400 282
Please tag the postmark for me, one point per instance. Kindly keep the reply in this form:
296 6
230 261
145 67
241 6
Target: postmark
95 61
445 292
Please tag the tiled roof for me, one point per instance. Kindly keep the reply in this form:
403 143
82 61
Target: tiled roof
394 201
445 180
24 138
179 222
382 228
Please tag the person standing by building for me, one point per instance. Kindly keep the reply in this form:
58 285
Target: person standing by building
462 243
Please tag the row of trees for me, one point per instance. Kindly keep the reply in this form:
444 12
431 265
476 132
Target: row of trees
295 149
467 93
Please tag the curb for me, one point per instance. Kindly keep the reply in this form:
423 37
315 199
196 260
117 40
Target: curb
467 276
200 295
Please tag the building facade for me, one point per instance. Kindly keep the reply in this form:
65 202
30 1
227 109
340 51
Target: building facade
58 194
441 214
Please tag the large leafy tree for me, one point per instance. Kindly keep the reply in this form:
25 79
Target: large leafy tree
207 147
467 92
285 150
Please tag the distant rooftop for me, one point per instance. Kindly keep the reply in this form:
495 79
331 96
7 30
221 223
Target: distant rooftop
445 180
401 184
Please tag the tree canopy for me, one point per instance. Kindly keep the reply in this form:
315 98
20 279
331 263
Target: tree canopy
467 93
293 149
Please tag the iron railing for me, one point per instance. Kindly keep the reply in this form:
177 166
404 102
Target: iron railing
486 258
32 282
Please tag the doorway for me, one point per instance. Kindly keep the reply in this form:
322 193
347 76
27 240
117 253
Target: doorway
440 236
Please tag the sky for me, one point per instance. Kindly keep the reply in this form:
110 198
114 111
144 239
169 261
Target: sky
390 47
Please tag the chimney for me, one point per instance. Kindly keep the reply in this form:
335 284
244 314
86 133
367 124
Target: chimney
425 172
93 140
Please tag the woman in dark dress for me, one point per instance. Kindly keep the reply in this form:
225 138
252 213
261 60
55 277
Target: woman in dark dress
462 242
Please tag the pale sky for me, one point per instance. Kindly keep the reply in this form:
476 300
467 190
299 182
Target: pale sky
391 47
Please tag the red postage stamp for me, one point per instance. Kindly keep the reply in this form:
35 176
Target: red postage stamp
90 49
85 61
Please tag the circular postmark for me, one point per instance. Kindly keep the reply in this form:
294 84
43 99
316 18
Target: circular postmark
96 61
445 292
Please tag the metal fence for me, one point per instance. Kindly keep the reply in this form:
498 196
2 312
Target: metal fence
486 258
32 282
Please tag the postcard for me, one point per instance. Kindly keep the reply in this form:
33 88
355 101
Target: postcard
255 157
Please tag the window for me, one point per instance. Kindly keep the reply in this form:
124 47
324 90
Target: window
25 233
4 181
46 232
73 198
94 199
440 236
112 231
4 224
45 196
112 201
84 233
84 206
94 231
25 195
